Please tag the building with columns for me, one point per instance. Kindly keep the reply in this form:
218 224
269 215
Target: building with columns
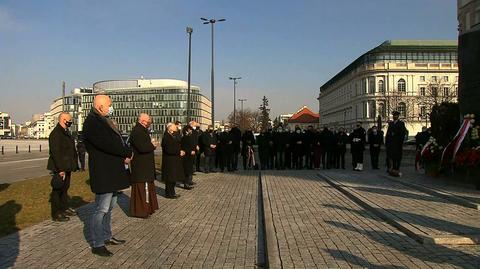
405 75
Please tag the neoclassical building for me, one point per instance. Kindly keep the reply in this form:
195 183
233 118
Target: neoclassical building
405 75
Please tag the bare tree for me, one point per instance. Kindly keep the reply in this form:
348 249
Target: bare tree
247 119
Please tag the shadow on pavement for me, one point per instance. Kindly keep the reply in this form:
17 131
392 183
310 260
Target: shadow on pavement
9 249
402 194
4 186
441 254
353 259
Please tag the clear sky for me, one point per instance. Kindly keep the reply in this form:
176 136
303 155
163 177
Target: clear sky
283 49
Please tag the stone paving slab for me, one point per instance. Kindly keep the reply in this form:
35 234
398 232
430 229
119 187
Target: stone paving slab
318 227
212 226
423 214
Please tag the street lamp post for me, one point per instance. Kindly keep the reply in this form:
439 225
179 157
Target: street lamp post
212 73
189 32
242 122
234 98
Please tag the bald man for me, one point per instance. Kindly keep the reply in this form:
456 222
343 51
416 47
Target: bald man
62 162
143 198
108 155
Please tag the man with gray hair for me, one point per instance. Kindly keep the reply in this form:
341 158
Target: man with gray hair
172 166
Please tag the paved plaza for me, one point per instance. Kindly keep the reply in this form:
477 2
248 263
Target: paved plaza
275 219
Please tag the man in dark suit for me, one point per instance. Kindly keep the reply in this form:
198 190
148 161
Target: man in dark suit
225 150
358 140
209 145
143 198
375 140
81 150
108 155
62 162
236 138
172 165
394 143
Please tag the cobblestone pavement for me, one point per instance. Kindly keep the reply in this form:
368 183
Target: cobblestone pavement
318 227
212 226
219 225
434 216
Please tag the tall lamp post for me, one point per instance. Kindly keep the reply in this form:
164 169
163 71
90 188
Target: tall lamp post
242 122
234 98
189 32
212 76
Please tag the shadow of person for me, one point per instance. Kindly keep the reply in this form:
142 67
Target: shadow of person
160 191
9 245
123 202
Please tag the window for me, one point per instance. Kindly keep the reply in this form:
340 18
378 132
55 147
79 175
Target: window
445 78
423 112
434 78
434 91
422 78
402 108
381 110
446 91
373 109
371 85
401 85
380 86
422 91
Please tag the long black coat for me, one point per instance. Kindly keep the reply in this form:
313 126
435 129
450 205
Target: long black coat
143 162
375 140
342 141
188 145
394 139
236 138
107 153
63 156
206 140
172 166
358 140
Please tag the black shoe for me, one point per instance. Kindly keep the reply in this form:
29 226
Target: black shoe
193 183
61 218
175 196
113 242
102 251
187 186
70 212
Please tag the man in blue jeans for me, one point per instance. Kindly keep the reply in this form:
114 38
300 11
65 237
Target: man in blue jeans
108 156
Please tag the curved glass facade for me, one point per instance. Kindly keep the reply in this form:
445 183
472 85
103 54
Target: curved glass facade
164 105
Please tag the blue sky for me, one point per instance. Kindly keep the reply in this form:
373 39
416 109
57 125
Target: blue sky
283 49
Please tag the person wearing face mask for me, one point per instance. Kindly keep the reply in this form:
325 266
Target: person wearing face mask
172 164
62 162
208 141
189 147
298 148
357 141
375 140
396 133
143 198
108 155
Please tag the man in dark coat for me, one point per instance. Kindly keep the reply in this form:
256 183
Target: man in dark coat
288 148
108 155
375 140
189 147
263 150
236 138
298 144
358 140
62 162
172 165
81 150
248 141
197 134
394 143
143 198
342 141
309 146
209 144
279 140
271 149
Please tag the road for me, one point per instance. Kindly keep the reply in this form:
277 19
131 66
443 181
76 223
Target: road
17 167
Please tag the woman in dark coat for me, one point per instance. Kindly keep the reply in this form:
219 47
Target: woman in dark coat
189 147
143 200
172 166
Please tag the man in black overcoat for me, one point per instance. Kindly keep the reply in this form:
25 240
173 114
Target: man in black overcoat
342 141
208 142
143 198
62 162
298 148
236 139
225 150
358 140
108 155
172 164
189 147
375 140
394 143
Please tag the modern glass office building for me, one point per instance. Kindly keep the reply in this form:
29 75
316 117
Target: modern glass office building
165 100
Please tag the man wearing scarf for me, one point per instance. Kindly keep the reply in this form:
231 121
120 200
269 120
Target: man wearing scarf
108 155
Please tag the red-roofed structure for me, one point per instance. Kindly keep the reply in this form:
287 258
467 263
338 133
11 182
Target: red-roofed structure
304 117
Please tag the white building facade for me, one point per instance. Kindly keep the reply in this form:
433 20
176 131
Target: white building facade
5 125
409 76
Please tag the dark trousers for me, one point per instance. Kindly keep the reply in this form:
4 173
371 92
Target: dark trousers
374 153
280 159
330 159
188 180
396 163
309 159
324 159
357 157
317 157
235 160
288 159
297 161
197 161
59 198
169 189
209 163
340 160
225 161
81 158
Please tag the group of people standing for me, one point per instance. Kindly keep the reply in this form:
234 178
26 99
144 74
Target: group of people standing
115 164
